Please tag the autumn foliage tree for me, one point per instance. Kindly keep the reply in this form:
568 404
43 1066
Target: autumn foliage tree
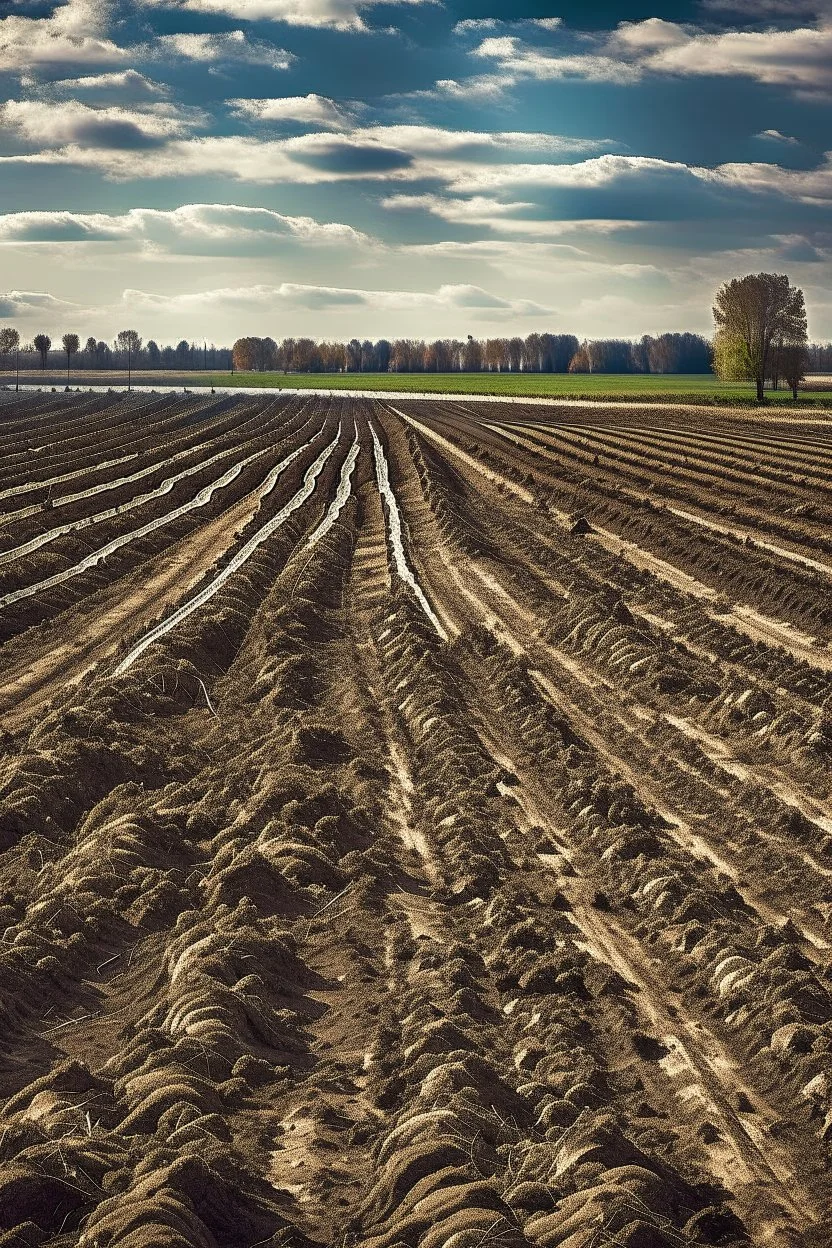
754 315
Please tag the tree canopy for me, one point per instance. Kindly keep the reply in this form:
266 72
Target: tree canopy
755 316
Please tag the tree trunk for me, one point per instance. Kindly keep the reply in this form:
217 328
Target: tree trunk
794 390
759 389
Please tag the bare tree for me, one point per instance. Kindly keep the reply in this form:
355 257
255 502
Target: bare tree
751 314
42 343
72 343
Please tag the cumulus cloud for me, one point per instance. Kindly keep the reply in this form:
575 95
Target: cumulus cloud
211 229
796 58
311 110
42 122
345 15
75 33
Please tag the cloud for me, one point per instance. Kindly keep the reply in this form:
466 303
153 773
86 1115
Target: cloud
41 122
768 8
372 153
232 45
477 87
127 81
476 25
195 229
27 303
797 59
500 216
776 137
75 33
311 110
319 298
809 186
345 15
519 59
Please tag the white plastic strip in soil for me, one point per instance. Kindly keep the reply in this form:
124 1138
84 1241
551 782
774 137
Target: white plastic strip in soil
166 486
394 528
200 500
342 494
243 555
14 490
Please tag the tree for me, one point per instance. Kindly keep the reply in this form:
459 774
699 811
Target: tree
90 351
244 354
128 341
42 344
751 314
154 355
793 359
9 341
72 343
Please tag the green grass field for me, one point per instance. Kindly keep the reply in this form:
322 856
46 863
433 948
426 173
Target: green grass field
701 388
683 388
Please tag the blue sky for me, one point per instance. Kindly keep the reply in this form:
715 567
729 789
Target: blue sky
209 168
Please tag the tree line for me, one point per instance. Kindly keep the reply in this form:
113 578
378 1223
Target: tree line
537 353
760 334
126 348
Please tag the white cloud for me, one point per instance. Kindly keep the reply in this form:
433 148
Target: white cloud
476 25
519 59
371 153
810 186
319 298
776 137
798 58
195 228
29 303
313 110
501 216
790 58
232 45
127 80
336 14
75 33
39 122
477 87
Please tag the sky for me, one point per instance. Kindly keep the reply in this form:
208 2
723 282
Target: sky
205 169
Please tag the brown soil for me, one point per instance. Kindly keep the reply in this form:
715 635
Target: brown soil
462 878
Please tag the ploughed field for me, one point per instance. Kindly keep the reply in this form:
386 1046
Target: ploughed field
415 825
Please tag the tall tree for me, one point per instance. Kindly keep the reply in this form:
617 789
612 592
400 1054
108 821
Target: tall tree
128 341
793 361
9 341
42 345
751 314
72 343
90 351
